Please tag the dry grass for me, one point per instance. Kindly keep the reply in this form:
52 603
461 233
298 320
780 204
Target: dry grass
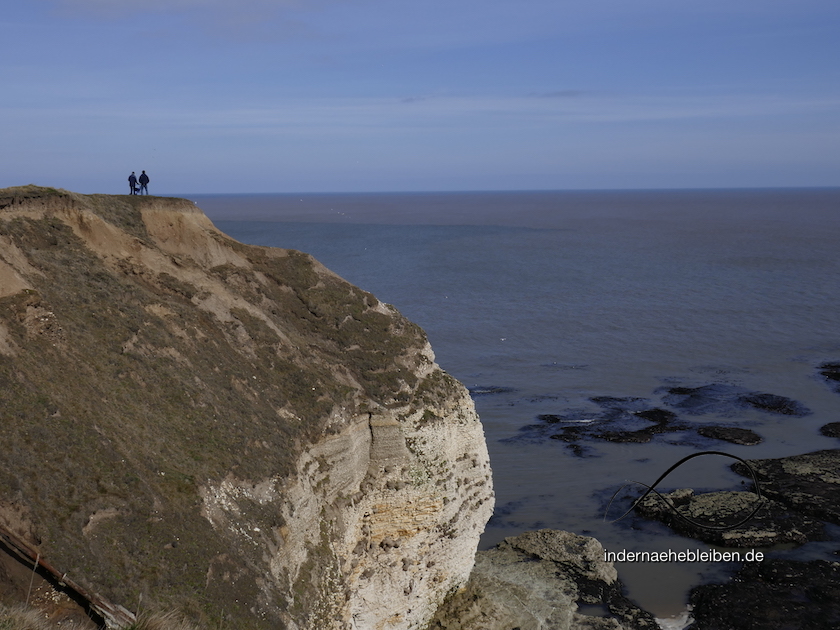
163 621
21 618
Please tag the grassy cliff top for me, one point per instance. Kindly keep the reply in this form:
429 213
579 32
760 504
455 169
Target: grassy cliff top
143 352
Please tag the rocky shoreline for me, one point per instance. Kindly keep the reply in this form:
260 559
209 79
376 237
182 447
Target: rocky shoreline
803 495
795 585
550 579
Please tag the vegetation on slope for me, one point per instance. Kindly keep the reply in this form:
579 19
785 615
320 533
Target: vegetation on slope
121 395
22 618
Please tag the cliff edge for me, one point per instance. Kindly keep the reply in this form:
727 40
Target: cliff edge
234 431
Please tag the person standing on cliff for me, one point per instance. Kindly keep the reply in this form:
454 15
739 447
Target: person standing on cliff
144 182
132 182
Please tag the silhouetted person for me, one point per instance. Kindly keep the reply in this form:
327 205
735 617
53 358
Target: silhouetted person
144 182
132 181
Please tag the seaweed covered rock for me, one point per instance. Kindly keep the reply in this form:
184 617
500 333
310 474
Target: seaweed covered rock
708 516
832 429
807 483
778 594
831 373
734 435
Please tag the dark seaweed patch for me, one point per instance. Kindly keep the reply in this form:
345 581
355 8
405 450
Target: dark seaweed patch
832 429
772 403
831 373
635 419
542 398
735 435
626 419
624 404
657 415
772 594
696 401
728 400
477 390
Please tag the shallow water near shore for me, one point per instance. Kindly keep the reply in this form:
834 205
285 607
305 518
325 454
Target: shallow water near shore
541 302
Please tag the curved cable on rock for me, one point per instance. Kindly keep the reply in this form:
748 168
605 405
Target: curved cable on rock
652 489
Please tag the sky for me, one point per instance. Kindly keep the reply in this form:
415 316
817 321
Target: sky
258 96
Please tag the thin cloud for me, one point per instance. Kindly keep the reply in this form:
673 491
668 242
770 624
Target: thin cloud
136 10
207 11
333 114
560 94
219 17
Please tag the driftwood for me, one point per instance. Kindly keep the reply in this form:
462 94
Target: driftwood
116 617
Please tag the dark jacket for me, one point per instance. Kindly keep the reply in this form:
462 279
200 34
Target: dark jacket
144 179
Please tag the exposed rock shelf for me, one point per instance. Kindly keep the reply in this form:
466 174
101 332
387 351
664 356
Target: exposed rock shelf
540 580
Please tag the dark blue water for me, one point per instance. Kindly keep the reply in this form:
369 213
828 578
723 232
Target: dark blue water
551 299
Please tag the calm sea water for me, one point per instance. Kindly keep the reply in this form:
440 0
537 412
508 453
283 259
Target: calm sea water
551 299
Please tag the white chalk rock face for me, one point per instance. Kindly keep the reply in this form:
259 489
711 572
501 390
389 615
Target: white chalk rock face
382 520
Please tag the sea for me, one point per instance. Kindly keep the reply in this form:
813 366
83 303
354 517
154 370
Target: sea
566 308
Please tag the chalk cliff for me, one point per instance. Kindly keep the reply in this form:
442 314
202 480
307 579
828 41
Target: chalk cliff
189 422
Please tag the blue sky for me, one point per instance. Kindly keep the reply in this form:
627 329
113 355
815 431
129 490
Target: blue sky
219 96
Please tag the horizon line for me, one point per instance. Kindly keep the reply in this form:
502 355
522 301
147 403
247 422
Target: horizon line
510 191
